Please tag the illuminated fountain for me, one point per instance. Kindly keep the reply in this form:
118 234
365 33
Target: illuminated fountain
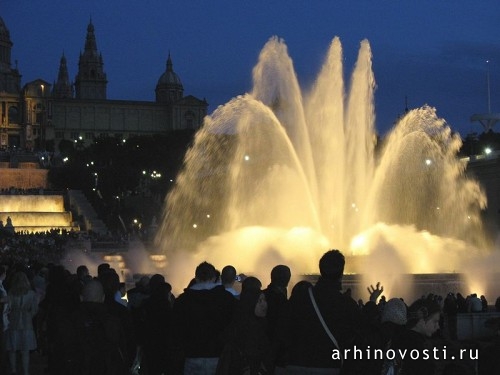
278 176
36 213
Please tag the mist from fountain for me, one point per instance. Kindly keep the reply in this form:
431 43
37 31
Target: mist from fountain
278 176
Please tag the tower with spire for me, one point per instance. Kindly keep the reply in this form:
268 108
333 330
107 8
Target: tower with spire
63 88
10 81
39 115
90 82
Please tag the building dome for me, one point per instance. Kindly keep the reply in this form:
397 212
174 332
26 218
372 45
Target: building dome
169 87
169 78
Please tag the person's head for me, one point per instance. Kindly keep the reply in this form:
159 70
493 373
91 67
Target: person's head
497 304
301 287
228 275
300 292
143 282
156 282
19 284
102 268
423 317
82 272
394 311
110 282
253 300
280 275
164 290
251 283
205 272
93 292
331 265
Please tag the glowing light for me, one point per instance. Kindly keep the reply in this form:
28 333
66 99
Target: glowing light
195 226
208 216
247 158
359 245
487 150
113 258
428 161
158 257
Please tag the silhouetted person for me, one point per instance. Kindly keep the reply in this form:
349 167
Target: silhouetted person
201 314
309 346
422 323
91 341
111 283
277 299
228 278
247 349
157 312
20 335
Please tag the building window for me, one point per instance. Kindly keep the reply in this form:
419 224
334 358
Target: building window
38 118
89 135
75 135
60 135
13 115
189 120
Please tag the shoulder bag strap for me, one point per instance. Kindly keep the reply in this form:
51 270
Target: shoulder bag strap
320 317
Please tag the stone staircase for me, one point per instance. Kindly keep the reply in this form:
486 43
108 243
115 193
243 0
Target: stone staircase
82 207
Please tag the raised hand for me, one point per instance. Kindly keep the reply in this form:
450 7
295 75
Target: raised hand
375 292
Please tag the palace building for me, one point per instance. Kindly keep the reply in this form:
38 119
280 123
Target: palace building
39 115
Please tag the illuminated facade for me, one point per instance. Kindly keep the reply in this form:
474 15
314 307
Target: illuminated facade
39 114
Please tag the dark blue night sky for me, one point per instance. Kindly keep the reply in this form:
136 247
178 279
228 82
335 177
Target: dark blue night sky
434 52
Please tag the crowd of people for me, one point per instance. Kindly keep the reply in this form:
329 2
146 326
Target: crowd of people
34 248
89 324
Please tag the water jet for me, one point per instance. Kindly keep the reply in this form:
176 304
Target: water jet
280 175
